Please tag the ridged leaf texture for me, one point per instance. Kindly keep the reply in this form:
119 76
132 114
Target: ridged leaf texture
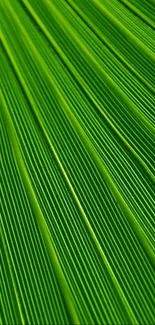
77 110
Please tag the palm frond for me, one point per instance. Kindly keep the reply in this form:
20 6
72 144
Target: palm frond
78 175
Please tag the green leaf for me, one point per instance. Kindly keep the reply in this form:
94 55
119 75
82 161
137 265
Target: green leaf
78 176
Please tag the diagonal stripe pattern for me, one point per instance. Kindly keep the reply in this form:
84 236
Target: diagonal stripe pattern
78 175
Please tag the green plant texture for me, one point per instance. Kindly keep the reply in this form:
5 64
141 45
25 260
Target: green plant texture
77 112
